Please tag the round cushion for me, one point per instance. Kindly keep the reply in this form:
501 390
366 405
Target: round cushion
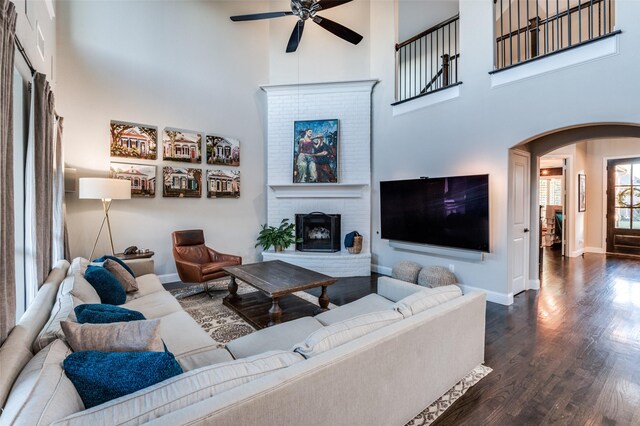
406 271
436 276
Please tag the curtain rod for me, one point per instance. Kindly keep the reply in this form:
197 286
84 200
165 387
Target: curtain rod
29 64
24 55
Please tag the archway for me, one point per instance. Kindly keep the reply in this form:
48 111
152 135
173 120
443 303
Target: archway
541 144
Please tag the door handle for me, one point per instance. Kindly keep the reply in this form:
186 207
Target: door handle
526 229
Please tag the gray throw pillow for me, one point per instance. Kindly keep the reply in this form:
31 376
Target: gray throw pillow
132 336
127 282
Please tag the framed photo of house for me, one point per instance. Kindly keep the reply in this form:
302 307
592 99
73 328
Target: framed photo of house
181 182
142 177
223 184
223 151
182 146
582 193
129 140
315 151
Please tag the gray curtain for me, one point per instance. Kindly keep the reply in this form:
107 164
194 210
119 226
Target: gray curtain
39 182
7 240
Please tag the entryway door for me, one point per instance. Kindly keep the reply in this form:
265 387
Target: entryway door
519 220
623 206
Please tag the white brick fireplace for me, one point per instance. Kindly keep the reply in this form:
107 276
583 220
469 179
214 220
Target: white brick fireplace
350 103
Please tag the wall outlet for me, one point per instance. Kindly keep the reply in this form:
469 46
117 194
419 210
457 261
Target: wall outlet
452 268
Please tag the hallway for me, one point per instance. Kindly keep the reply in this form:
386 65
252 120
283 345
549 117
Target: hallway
568 354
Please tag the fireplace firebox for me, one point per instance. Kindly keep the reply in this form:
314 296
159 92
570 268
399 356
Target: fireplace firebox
318 231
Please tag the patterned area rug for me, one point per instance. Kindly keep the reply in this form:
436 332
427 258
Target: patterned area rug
224 325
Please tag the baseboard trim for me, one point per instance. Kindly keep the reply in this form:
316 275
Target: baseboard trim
492 296
534 284
379 269
598 250
577 253
169 278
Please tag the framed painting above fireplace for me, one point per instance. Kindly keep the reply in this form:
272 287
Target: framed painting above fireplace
315 151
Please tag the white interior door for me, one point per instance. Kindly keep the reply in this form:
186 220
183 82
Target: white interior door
519 215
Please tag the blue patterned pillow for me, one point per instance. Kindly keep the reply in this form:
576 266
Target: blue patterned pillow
106 285
104 314
102 376
115 259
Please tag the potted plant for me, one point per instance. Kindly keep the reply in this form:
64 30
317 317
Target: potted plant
280 238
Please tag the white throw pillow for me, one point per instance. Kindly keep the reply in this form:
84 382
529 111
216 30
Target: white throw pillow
345 331
42 392
425 299
183 390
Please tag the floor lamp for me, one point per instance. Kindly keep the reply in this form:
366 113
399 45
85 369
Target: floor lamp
105 190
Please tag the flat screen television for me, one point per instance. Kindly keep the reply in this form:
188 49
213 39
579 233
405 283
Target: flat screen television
447 211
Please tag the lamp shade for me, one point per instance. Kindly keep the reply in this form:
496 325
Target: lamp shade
105 189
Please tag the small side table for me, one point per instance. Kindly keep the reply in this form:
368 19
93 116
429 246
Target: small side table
140 264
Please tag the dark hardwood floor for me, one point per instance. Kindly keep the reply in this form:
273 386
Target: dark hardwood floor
568 354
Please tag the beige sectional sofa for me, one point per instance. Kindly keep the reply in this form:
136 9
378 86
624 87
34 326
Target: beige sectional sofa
377 361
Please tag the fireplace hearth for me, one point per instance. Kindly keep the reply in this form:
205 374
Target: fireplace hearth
319 232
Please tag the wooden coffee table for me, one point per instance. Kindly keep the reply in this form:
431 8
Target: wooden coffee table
276 280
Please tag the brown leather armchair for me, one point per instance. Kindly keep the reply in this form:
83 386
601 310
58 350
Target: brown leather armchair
197 263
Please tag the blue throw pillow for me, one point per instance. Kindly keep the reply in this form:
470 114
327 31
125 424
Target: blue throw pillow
102 376
115 259
106 285
104 314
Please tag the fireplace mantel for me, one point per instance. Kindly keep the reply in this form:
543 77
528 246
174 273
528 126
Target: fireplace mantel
319 190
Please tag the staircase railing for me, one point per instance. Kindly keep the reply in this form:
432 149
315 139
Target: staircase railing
524 35
428 61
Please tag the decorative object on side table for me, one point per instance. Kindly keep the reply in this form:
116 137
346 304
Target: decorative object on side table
280 238
106 190
353 242
315 151
133 141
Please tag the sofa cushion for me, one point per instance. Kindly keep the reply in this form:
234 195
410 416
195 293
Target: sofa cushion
279 337
115 259
154 305
104 314
183 390
147 284
73 291
102 376
126 280
204 357
132 336
183 335
365 305
395 290
78 266
106 285
425 299
42 392
342 332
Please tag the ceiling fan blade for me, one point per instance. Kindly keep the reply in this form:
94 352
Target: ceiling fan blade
328 4
296 35
338 29
256 16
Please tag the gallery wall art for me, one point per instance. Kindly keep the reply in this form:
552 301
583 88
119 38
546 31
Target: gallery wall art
133 141
142 177
223 151
315 151
181 182
181 146
223 184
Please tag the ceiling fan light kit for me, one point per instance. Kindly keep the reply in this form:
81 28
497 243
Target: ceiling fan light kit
304 10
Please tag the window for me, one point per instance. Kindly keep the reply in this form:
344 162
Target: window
627 196
550 193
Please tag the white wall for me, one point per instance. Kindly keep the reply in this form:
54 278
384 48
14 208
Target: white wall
472 134
170 64
597 152
416 16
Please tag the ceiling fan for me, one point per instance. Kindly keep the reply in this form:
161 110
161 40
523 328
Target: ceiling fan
307 9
